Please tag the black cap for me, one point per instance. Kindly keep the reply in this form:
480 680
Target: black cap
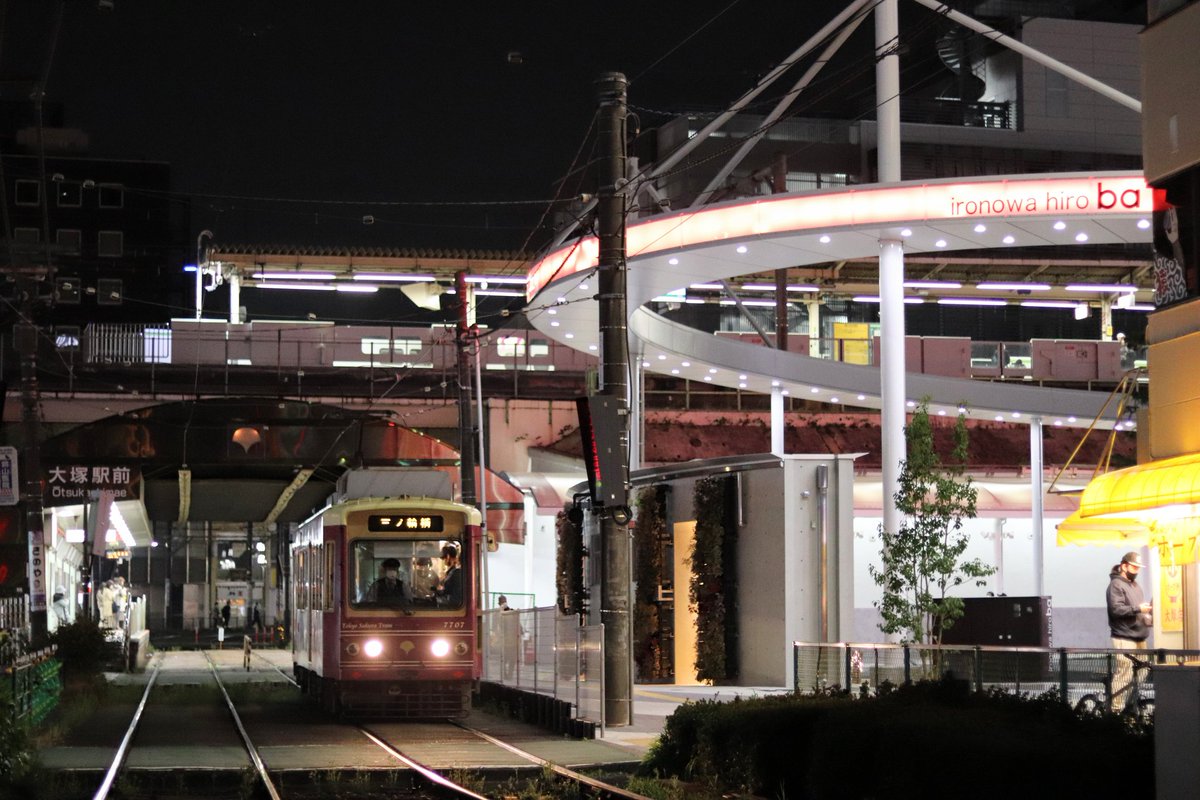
391 563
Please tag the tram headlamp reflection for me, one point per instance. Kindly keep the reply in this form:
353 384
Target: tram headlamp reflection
439 648
372 648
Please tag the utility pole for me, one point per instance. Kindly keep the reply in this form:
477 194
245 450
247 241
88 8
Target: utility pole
616 568
465 430
26 337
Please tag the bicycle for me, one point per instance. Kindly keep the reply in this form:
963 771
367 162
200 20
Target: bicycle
1139 705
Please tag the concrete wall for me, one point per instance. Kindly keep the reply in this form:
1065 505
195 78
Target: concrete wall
1055 105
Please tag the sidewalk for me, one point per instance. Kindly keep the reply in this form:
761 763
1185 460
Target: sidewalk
653 703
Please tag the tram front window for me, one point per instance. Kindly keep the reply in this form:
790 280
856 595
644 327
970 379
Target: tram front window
404 573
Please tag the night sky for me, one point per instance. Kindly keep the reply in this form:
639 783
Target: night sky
383 101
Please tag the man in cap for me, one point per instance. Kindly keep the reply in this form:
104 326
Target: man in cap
1128 621
388 589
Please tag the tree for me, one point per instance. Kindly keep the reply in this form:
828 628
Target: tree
923 560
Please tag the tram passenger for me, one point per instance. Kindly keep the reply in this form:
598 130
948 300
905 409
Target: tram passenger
388 589
424 579
449 591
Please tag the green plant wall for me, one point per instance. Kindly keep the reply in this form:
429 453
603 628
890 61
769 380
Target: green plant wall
649 531
714 576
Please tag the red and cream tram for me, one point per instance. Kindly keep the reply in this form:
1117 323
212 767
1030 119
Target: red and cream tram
384 619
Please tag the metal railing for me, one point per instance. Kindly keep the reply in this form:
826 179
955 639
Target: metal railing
863 667
544 651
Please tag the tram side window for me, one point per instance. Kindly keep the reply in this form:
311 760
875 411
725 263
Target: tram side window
327 595
314 578
403 573
301 579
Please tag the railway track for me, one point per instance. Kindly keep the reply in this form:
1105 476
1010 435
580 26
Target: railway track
120 757
285 749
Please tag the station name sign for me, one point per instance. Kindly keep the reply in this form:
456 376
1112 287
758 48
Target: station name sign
71 484
873 208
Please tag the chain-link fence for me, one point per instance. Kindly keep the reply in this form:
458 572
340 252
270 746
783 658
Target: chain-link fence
1074 673
544 651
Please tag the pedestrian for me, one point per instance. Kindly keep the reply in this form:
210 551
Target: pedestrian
120 599
1129 620
256 620
226 610
511 634
216 617
62 609
104 604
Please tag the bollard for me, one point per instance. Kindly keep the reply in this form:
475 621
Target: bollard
220 637
246 652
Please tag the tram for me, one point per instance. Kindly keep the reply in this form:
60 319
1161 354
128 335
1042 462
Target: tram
385 594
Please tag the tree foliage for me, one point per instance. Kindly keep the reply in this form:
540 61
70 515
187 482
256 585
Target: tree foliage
923 561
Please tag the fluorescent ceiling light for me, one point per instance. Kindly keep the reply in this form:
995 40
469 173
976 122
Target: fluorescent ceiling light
498 293
801 287
932 285
871 298
362 288
757 287
514 279
1101 287
971 301
406 277
311 287
766 303
1140 307
293 276
1012 286
716 287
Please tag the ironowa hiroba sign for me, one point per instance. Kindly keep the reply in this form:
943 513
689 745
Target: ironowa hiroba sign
867 208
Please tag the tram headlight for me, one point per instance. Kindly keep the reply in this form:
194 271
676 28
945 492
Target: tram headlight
372 648
439 648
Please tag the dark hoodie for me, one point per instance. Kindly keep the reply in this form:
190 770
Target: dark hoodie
1124 597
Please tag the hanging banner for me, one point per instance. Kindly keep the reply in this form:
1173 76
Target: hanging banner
37 575
1170 601
10 482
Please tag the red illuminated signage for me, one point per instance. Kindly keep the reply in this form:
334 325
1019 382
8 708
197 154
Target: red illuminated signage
876 207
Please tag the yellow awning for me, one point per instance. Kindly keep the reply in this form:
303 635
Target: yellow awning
1102 531
1146 487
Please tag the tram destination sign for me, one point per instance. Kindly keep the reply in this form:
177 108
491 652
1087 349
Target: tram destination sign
405 523
70 484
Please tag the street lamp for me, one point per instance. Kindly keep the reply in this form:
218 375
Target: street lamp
200 272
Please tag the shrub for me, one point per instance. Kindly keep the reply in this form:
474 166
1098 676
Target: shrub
928 740
83 648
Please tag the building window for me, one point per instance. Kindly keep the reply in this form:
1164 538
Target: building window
27 235
112 195
69 241
110 244
70 194
510 347
29 193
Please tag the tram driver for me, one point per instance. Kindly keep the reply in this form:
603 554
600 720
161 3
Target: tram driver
388 589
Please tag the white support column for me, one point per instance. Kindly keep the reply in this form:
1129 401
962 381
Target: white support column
891 261
637 414
777 423
1106 326
814 326
998 555
235 296
1036 513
